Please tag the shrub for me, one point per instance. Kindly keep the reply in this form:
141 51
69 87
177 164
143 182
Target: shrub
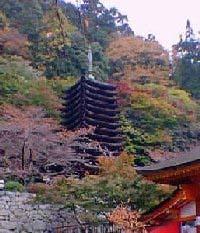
19 91
14 186
59 85
17 66
38 188
46 193
116 183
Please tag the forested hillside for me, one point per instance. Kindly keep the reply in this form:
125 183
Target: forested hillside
44 50
57 37
158 116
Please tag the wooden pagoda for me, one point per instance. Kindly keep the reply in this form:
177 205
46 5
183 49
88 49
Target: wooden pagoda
91 103
181 212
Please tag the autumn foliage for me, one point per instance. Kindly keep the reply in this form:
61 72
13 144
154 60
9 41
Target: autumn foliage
128 220
138 60
43 50
13 43
122 166
153 107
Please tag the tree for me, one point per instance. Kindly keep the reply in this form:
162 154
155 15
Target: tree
127 220
116 184
107 21
24 15
153 108
51 26
13 43
187 76
3 21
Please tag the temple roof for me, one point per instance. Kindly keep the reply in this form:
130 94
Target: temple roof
165 209
169 208
170 171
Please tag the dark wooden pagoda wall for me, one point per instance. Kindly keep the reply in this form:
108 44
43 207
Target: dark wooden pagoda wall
93 103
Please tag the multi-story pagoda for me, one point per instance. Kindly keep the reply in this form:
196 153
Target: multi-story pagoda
90 103
181 212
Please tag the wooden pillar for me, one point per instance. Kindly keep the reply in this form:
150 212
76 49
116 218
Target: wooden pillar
192 192
198 212
198 204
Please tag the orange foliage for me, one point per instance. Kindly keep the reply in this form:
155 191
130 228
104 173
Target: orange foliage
143 61
134 46
13 43
38 188
128 220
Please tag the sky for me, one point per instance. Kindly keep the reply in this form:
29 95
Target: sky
166 19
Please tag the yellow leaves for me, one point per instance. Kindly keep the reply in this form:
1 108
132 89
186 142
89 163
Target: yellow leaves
183 101
161 135
166 100
122 166
144 101
55 33
3 21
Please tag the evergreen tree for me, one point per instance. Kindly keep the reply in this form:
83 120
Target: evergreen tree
187 75
59 33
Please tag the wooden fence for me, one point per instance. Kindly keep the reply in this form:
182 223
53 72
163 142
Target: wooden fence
103 228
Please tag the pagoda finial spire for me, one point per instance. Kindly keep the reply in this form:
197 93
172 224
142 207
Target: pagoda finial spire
90 62
189 30
188 24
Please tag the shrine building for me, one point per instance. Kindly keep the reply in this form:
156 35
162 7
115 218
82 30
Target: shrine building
181 212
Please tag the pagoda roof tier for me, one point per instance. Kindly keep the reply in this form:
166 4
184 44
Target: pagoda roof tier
98 84
93 103
183 169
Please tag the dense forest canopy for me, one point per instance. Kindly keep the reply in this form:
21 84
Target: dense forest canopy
58 33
